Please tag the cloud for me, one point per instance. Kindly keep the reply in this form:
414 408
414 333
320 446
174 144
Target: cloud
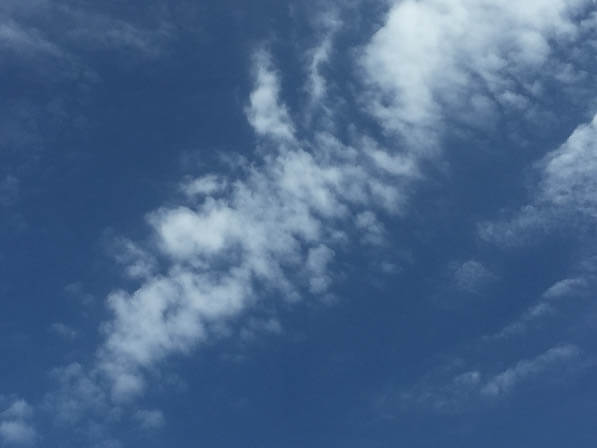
436 62
270 232
551 303
78 394
16 427
265 112
20 40
566 288
534 314
319 56
447 391
150 419
29 27
564 196
257 327
63 330
507 380
471 276
569 174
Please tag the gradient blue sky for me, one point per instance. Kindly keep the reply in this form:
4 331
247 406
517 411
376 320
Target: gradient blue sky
366 223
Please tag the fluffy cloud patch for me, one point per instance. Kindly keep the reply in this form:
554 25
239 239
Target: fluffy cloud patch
435 62
471 276
270 232
15 424
150 419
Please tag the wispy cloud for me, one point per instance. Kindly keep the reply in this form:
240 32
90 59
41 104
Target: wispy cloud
447 391
267 115
565 196
63 330
504 382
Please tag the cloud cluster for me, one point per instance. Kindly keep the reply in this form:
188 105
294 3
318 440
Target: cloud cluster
271 231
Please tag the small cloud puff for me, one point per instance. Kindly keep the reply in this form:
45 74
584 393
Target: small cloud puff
472 276
16 427
150 419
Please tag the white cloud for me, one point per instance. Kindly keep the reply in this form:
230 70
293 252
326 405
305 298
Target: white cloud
265 112
520 325
78 393
471 276
319 56
435 61
445 391
84 27
317 263
26 41
507 380
19 409
570 173
16 427
63 330
150 419
17 432
566 194
203 186
271 230
138 263
565 288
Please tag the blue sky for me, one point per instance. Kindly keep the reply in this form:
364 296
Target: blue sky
285 224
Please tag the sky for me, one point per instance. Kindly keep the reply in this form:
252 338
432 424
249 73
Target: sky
359 223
